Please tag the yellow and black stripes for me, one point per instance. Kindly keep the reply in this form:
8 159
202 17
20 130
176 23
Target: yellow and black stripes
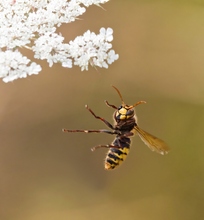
117 153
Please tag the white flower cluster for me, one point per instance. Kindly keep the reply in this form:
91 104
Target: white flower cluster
32 24
13 66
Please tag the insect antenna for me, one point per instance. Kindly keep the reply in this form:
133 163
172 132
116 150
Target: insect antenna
137 103
123 103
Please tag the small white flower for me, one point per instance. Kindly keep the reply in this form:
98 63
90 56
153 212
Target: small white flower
107 34
112 56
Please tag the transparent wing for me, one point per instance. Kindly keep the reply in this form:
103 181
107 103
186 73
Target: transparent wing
154 143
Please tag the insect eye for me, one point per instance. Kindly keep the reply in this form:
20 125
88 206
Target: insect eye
130 112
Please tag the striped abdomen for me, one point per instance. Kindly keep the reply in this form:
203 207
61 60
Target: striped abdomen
116 156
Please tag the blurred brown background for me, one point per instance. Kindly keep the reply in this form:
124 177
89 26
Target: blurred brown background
48 175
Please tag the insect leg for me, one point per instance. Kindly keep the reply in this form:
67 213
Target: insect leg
91 131
105 146
102 119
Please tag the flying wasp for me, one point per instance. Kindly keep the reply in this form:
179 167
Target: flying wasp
124 128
